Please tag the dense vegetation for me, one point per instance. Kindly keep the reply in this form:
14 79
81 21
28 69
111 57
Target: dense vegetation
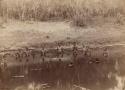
81 12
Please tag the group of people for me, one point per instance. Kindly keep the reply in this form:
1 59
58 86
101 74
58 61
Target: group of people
24 54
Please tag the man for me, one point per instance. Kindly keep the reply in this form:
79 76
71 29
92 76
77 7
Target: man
43 54
84 49
27 54
17 55
75 51
27 50
60 51
33 54
105 53
20 57
87 51
24 54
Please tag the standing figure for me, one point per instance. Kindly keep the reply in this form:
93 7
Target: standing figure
27 51
25 54
17 55
106 53
20 55
87 51
84 49
43 54
60 51
33 54
75 51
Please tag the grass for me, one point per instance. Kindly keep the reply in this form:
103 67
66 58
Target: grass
80 12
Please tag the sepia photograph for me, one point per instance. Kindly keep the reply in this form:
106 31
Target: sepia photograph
62 44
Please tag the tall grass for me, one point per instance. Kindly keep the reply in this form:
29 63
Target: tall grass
79 11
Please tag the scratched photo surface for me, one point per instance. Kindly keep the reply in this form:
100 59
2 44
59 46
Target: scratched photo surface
62 44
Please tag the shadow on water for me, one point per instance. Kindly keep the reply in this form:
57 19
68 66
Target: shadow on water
91 73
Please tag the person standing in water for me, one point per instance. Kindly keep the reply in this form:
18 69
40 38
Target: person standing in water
106 53
84 50
43 54
60 51
75 51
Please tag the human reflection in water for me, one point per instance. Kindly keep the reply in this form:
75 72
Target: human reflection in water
95 75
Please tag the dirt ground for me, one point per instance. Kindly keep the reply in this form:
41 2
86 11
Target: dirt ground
16 34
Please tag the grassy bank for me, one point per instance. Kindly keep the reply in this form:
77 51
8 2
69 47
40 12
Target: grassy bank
80 12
